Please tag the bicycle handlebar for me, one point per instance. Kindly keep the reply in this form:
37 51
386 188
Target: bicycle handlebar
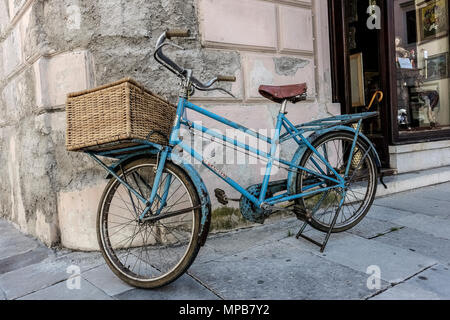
164 60
177 33
161 58
226 78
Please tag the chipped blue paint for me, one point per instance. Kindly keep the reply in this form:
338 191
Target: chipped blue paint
258 215
292 176
123 160
202 191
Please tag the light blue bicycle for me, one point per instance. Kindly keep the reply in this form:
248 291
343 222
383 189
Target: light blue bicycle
155 212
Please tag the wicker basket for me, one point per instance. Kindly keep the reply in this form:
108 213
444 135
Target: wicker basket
111 116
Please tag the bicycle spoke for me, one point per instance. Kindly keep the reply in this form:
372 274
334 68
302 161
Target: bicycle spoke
148 250
359 181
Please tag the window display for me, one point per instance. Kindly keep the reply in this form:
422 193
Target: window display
422 63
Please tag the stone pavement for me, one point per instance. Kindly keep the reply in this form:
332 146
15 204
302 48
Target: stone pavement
405 237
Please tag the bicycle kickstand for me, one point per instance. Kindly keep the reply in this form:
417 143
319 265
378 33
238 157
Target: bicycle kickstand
324 244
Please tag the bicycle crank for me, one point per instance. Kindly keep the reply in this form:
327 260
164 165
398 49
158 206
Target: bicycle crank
258 215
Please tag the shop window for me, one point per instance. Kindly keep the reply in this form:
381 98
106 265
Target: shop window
422 65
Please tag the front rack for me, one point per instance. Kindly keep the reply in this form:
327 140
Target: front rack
119 153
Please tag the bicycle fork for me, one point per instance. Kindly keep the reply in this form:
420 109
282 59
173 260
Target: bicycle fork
160 164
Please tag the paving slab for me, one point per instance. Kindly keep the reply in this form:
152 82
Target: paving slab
84 260
440 192
220 245
435 279
5 225
46 273
419 242
103 278
13 242
9 230
431 284
185 288
32 278
304 244
386 214
396 264
370 228
280 271
406 291
60 291
441 187
24 259
414 203
445 187
435 226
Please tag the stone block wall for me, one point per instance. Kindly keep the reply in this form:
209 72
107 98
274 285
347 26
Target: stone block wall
278 42
51 48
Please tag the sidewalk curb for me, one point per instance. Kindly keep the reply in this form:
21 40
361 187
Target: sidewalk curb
414 180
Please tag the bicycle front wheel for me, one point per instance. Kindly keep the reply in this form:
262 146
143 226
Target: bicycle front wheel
361 182
154 253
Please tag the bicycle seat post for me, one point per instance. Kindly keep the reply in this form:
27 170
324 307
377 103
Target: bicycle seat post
283 107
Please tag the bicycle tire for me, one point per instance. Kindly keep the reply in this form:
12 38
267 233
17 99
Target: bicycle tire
369 196
112 255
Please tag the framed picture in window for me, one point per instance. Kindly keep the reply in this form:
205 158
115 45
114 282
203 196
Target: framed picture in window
437 67
357 80
433 20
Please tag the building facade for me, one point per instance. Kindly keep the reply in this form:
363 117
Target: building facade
343 51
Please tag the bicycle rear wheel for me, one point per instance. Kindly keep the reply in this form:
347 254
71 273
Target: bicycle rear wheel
361 181
150 254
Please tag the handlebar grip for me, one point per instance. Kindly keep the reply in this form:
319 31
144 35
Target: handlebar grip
226 78
177 33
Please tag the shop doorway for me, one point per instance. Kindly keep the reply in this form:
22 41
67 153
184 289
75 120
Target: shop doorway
360 65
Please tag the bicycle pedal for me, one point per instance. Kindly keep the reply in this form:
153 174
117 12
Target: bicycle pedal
221 196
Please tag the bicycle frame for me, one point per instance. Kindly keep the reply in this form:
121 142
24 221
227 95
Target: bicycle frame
295 133
162 184
282 122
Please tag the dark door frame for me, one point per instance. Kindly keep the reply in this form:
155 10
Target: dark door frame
340 70
340 65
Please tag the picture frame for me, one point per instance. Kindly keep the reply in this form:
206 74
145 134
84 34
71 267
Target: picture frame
433 20
437 67
357 80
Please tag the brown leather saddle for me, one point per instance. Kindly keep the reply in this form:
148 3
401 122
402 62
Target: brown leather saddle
293 93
